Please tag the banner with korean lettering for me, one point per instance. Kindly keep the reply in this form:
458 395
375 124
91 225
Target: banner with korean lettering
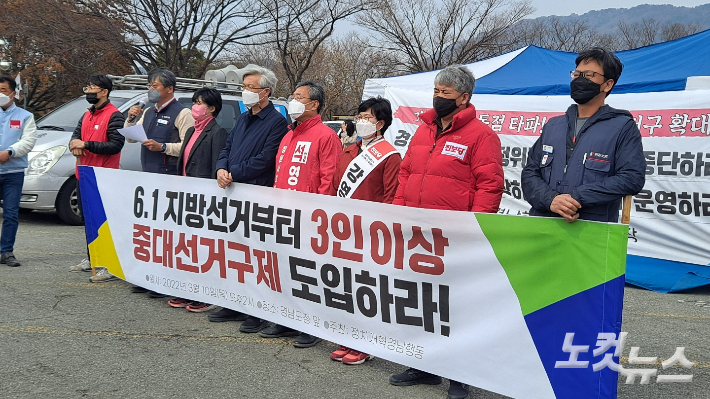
463 295
667 216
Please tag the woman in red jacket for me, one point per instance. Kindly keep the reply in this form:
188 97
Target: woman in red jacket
367 171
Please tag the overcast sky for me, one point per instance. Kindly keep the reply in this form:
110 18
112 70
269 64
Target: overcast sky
556 7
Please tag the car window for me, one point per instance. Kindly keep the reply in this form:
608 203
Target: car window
66 117
334 125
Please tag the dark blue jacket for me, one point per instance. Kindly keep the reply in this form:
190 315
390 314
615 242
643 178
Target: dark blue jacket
603 165
250 151
160 126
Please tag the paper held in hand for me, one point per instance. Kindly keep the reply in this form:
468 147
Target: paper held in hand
135 132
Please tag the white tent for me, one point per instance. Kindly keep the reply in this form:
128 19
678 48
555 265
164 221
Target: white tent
667 89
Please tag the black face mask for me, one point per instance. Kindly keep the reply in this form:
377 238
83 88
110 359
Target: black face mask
444 106
583 90
92 98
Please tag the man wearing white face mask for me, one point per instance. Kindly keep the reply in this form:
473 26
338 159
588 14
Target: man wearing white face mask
18 134
306 162
310 146
249 156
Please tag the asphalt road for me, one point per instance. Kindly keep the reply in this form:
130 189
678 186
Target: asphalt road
63 337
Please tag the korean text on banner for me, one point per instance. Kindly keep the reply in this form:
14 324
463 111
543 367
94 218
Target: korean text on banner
478 298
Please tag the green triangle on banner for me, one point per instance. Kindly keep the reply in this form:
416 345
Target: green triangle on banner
548 259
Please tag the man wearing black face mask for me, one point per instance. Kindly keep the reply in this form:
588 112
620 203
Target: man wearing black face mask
96 142
454 162
587 160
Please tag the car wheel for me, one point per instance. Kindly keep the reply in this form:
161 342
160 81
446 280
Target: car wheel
68 203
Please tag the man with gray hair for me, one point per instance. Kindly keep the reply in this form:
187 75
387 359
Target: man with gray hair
249 156
165 125
306 162
454 150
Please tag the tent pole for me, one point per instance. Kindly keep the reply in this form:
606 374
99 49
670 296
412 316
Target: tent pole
626 210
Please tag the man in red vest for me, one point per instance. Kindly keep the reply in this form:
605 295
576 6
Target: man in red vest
96 142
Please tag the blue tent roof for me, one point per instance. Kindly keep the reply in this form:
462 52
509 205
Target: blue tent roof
659 67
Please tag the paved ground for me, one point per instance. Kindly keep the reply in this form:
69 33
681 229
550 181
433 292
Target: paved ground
63 337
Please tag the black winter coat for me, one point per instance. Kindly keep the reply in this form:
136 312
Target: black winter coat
205 152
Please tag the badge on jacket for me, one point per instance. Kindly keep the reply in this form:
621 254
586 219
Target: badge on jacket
15 124
300 154
547 149
544 160
454 149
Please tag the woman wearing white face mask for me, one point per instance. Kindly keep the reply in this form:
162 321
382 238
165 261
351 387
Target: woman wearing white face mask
379 162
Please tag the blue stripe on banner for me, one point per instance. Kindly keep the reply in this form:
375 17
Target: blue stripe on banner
91 203
664 275
586 314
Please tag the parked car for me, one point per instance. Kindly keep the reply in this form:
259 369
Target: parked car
335 125
50 181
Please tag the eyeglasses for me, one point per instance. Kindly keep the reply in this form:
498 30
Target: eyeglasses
298 98
587 74
252 87
86 89
363 117
154 86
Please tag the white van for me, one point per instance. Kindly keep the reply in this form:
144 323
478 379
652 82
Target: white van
50 182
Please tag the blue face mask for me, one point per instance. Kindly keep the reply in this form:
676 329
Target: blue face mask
153 96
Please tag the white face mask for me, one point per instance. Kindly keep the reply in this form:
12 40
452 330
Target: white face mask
296 109
365 128
4 100
250 98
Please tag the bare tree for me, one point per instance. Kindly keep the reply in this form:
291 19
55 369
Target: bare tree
186 36
427 34
676 30
557 34
343 66
298 28
53 52
639 34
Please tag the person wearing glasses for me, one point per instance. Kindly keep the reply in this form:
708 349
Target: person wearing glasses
165 125
380 162
453 162
97 142
249 156
306 162
588 159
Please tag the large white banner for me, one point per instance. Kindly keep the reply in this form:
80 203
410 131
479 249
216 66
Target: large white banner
673 209
442 291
